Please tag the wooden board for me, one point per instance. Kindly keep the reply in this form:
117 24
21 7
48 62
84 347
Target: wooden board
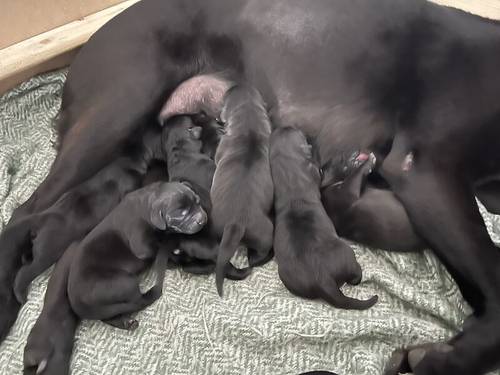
38 54
22 19
485 8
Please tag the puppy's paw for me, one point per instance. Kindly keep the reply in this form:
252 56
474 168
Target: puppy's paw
123 322
234 273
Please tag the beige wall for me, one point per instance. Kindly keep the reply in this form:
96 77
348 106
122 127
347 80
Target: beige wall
485 8
21 19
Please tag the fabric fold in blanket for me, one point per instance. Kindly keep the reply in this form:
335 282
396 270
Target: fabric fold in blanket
258 327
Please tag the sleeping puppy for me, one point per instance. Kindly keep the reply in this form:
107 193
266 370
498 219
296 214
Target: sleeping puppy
50 342
313 262
369 215
103 282
242 189
188 148
79 210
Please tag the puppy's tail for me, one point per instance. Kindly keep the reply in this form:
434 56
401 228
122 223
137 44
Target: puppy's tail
231 238
334 296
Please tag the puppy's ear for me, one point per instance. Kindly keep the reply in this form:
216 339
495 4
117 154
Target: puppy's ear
158 219
190 187
195 132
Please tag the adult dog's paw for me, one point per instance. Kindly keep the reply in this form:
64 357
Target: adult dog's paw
48 350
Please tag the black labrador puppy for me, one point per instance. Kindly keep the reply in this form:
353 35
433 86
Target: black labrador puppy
369 215
188 143
313 262
103 280
47 234
242 189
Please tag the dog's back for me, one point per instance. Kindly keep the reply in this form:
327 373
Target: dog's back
312 260
242 190
242 186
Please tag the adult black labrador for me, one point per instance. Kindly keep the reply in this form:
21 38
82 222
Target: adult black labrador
415 82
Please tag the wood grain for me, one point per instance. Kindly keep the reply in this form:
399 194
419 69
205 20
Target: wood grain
35 55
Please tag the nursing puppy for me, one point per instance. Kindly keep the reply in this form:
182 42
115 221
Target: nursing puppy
369 215
79 210
103 282
188 147
313 262
242 189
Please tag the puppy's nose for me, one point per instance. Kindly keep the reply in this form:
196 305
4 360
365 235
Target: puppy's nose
201 218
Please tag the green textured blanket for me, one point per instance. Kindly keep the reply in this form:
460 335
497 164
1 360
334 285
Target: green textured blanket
258 328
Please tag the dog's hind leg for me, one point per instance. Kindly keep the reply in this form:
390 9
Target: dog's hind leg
442 208
107 304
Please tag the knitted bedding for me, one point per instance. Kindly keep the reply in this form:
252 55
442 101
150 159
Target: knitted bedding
258 327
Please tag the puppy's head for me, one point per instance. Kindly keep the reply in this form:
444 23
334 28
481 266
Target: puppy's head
177 207
291 143
338 168
179 132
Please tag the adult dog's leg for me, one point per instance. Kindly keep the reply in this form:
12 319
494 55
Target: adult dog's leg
15 242
442 208
50 342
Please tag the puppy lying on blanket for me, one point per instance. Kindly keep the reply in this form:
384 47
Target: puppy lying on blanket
78 211
383 220
103 280
313 262
242 189
186 146
98 277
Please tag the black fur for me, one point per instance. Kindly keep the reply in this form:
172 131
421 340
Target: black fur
313 262
242 190
183 144
79 210
369 215
408 89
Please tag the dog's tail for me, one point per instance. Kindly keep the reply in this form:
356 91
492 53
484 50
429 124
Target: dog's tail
334 296
159 268
231 238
